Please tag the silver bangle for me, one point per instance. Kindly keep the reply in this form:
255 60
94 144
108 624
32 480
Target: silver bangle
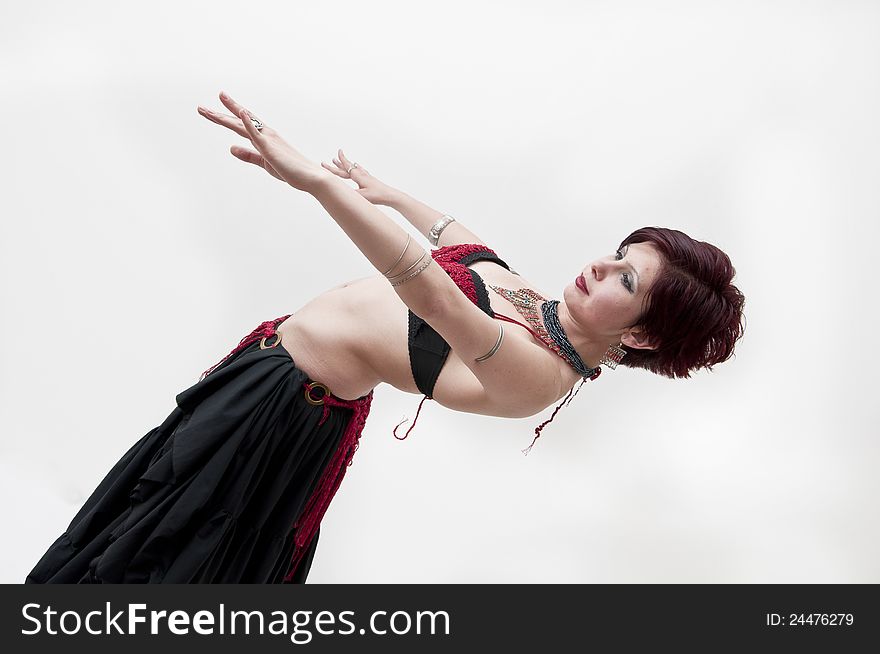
411 266
497 345
418 271
400 258
437 229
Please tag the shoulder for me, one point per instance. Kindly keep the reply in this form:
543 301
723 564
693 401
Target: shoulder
520 379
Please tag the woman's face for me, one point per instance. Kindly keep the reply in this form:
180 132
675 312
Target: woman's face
616 286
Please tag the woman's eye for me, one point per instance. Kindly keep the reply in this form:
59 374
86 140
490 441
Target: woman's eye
627 282
619 255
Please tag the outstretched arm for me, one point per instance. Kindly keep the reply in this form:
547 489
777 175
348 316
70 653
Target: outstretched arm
428 291
382 241
423 218
424 285
419 214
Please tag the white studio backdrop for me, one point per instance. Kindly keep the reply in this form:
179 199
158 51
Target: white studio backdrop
136 251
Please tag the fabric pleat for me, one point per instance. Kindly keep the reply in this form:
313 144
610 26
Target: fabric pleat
213 494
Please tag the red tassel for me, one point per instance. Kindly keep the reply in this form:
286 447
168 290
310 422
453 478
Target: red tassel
400 438
546 422
541 426
583 381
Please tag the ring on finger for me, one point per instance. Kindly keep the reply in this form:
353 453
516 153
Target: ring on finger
353 166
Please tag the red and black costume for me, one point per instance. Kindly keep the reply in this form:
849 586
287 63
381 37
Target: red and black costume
232 486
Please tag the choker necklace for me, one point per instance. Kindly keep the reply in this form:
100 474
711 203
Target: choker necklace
551 318
524 300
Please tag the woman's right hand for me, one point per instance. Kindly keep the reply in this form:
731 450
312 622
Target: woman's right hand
373 189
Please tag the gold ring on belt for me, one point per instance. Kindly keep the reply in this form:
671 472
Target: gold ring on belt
263 345
309 397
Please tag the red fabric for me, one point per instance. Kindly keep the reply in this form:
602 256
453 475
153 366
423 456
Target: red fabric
266 329
317 505
448 258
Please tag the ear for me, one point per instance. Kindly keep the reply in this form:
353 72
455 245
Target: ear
639 340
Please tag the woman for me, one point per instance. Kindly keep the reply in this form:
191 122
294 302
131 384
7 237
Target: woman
233 485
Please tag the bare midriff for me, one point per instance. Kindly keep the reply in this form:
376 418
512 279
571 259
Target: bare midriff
354 337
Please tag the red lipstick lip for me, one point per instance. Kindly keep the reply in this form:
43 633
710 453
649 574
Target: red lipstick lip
581 284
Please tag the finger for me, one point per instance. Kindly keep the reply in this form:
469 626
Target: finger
342 171
346 165
236 108
252 131
254 158
333 169
230 122
230 104
247 155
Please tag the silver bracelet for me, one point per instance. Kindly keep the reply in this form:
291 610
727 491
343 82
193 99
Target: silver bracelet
437 229
419 270
400 258
411 266
497 345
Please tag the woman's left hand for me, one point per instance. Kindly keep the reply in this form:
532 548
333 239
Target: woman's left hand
273 153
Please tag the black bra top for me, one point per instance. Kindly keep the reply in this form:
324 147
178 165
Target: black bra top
427 349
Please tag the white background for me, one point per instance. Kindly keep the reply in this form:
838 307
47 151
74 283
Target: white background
136 251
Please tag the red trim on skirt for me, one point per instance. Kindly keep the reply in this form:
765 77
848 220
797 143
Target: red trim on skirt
310 519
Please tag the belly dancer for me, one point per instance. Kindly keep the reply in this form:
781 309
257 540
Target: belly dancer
232 486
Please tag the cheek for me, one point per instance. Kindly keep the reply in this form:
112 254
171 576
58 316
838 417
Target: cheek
612 307
608 299
607 308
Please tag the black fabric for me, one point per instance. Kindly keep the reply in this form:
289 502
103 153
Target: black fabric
211 494
427 349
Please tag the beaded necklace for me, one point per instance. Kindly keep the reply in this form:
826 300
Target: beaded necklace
525 301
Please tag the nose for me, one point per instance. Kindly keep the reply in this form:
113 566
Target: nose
597 271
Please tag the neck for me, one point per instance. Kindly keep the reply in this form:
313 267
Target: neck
589 348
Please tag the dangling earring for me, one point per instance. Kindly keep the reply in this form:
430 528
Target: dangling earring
613 355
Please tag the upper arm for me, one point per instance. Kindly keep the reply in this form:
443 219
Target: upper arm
455 233
519 380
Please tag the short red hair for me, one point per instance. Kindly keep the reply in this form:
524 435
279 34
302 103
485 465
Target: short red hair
692 308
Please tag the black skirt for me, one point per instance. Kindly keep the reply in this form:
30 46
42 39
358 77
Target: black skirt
213 494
